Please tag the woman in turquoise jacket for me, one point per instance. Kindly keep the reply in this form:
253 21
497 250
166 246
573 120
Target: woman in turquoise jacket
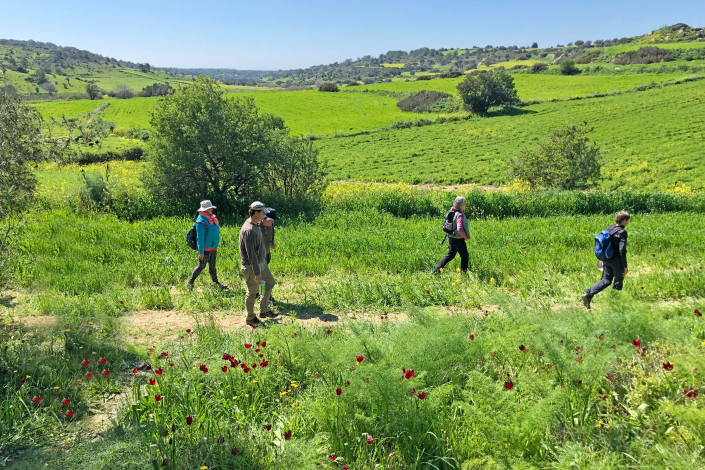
208 237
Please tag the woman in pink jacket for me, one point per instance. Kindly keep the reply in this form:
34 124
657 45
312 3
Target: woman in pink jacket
456 241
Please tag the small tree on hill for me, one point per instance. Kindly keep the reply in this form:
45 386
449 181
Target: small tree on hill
539 67
328 86
92 90
483 91
567 159
122 92
568 67
534 46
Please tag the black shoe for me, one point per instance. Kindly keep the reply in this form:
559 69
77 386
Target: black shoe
586 300
220 286
270 314
256 321
189 286
257 296
271 299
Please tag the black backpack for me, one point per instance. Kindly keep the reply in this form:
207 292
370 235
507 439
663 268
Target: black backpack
192 236
449 225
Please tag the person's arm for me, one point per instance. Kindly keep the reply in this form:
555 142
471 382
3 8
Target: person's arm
251 252
623 249
200 237
459 226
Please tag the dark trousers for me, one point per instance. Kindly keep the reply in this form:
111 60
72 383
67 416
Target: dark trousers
268 257
209 259
611 270
456 246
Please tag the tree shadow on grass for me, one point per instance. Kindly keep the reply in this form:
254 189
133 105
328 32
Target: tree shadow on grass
509 112
307 312
7 301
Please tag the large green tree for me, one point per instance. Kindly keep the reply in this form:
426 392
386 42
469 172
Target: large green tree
486 90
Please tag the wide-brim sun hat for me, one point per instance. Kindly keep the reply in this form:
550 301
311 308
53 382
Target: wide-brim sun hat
205 205
258 206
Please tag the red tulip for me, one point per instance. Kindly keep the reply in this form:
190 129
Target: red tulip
654 256
667 366
257 350
152 382
165 463
188 331
522 348
85 363
472 337
224 368
122 303
345 467
287 435
165 432
325 320
189 420
428 292
268 427
338 390
637 342
65 401
135 371
261 355
24 379
408 373
328 332
264 363
697 312
102 361
248 346
692 394
158 397
171 364
233 451
264 344
370 439
509 384
165 354
69 413
254 366
603 397
36 399
159 371
421 395
89 375
106 372
332 457
360 358
149 367
246 369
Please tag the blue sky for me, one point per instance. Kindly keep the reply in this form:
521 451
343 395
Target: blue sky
296 34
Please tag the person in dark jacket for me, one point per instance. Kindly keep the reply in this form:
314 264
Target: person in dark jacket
456 242
614 268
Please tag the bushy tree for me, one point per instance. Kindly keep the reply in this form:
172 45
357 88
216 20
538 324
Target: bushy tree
48 87
328 86
93 91
567 159
568 67
485 90
538 67
204 145
534 46
122 92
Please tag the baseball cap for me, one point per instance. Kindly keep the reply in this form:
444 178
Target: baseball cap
257 206
271 213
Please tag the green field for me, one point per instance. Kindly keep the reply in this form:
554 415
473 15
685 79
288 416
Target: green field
650 139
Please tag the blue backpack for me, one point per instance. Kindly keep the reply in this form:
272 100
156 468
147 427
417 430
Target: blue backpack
603 246
192 235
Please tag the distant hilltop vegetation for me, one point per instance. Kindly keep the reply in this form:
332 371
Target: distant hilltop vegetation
40 68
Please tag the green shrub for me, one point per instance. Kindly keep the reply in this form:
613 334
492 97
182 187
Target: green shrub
329 87
421 102
568 67
483 91
538 67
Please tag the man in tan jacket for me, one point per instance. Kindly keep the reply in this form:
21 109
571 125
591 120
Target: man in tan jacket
254 266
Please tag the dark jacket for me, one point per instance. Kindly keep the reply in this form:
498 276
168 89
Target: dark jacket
618 238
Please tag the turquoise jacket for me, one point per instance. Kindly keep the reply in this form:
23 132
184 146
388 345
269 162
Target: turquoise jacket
206 238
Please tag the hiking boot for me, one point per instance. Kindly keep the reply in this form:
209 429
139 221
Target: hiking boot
189 286
586 300
257 296
270 314
254 321
220 286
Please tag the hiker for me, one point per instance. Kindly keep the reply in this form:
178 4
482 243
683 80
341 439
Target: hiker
614 266
456 227
207 239
267 228
254 265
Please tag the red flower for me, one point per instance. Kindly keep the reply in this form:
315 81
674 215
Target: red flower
254 366
224 368
233 451
189 420
149 367
171 364
268 427
135 371
641 351
603 397
264 344
246 369
332 457
85 363
69 413
654 256
287 434
258 343
65 401
697 312
692 394
203 368
325 320
636 342
509 384
89 375
36 399
257 350
106 372
369 439
421 395
472 337
328 332
261 355
667 366
428 292
682 269
345 467
360 358
24 379
102 361
338 390
264 363
188 331
165 354
152 382
165 463
122 303
254 327
248 346
408 373
159 371
522 348
158 397
545 280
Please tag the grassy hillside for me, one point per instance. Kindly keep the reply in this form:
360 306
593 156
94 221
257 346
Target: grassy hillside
649 139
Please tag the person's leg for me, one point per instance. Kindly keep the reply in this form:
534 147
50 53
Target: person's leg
602 284
270 282
211 265
462 248
268 257
448 257
252 290
618 276
201 266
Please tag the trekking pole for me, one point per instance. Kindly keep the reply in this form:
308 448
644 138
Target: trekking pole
443 240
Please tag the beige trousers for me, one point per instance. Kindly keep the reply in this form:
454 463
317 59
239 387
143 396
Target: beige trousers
253 289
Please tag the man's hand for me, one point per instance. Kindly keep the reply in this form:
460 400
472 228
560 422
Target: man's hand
200 256
258 277
625 272
274 247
